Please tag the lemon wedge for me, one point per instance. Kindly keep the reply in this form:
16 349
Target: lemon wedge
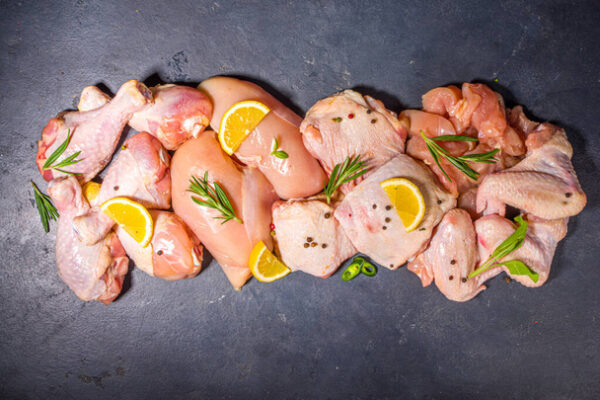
264 265
133 217
90 191
238 122
407 200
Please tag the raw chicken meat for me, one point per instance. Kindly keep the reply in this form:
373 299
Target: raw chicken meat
309 238
92 272
174 252
371 222
299 175
95 132
543 184
348 124
177 114
91 98
450 258
230 243
480 107
536 252
141 173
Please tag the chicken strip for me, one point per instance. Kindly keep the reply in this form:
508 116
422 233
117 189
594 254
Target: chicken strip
141 173
174 252
536 252
451 256
231 242
299 175
95 133
543 184
177 114
309 238
92 272
373 225
348 124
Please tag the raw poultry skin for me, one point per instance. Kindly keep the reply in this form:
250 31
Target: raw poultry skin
92 272
229 243
373 225
177 114
451 256
348 124
141 173
543 184
309 238
536 252
299 175
174 252
95 132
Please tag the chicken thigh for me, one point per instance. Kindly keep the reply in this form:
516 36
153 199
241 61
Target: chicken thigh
348 124
309 238
141 173
231 242
536 252
371 222
450 258
177 114
543 184
174 252
299 175
95 133
92 272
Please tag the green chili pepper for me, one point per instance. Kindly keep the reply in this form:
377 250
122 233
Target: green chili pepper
368 269
351 271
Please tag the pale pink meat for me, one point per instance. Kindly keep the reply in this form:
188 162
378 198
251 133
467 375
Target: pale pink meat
95 132
372 224
348 124
450 258
140 173
178 113
299 175
92 272
309 238
174 252
229 243
536 252
543 184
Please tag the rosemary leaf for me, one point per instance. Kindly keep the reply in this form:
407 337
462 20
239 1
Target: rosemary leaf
347 171
212 197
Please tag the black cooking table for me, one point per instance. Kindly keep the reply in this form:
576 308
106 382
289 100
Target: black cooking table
301 337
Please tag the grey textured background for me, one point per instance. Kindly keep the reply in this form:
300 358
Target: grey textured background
301 337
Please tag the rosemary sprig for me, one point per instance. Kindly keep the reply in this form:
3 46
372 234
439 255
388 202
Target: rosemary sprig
462 162
510 244
45 207
212 197
347 171
71 160
278 153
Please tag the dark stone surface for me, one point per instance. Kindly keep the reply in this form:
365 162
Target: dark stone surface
301 337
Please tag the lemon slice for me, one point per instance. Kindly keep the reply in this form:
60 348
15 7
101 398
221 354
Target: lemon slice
133 217
238 122
407 200
91 190
264 265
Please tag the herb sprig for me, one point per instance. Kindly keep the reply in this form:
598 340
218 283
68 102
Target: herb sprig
278 153
71 160
212 197
344 172
45 207
461 162
510 244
